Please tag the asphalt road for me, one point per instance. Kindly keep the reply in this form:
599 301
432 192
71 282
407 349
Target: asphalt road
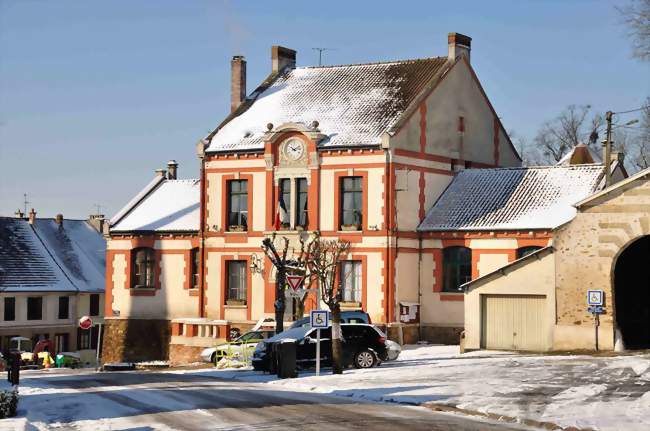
143 401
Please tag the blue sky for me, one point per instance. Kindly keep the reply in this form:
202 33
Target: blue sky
95 95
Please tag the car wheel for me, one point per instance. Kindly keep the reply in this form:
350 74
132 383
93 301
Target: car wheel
365 359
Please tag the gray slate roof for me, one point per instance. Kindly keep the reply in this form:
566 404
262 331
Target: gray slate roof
540 197
47 257
354 104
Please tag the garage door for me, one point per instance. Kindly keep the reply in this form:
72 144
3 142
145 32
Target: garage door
513 322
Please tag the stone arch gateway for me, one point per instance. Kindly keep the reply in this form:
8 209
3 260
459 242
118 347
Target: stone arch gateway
631 289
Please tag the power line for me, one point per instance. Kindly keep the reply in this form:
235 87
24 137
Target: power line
632 110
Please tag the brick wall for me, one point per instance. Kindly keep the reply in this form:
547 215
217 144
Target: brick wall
132 340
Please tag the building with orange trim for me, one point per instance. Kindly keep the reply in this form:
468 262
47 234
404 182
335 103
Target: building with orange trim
360 152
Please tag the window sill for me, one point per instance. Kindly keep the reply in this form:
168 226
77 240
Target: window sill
345 304
236 307
344 232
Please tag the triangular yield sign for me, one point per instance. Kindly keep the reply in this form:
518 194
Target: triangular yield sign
294 281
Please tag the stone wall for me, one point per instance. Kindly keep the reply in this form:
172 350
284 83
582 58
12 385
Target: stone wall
441 334
133 340
586 253
180 354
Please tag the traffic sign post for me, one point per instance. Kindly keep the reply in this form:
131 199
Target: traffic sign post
318 319
595 302
86 323
294 281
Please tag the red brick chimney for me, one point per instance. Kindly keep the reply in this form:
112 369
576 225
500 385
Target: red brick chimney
282 57
237 81
32 216
459 44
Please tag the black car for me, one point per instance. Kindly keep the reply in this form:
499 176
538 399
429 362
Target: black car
346 317
364 346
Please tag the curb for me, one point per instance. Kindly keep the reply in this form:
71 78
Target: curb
499 417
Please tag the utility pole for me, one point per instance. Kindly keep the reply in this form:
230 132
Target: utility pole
607 153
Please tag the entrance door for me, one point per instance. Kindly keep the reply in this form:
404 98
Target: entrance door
513 322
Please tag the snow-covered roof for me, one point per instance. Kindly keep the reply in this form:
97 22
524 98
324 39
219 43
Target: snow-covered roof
627 182
353 104
171 205
539 197
46 256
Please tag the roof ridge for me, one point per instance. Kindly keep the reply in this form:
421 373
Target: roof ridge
513 168
374 63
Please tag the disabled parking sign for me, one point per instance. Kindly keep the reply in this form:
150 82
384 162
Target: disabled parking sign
595 297
319 318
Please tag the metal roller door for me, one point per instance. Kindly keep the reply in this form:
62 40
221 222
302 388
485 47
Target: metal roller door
513 322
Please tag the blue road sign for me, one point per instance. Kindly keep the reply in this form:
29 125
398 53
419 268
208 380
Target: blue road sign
596 309
595 297
319 318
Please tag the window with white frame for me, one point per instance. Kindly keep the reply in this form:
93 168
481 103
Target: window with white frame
351 283
351 203
237 281
292 206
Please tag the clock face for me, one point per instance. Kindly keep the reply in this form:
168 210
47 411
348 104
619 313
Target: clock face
294 149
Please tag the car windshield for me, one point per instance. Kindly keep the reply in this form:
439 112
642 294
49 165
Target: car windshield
300 323
250 336
292 334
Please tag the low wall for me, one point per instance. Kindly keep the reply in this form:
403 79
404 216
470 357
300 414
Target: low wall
133 340
180 354
442 334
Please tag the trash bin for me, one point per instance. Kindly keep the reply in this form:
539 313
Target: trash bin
286 359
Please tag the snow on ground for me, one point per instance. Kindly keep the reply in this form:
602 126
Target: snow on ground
606 393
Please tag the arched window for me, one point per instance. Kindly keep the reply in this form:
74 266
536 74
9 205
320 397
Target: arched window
457 268
525 251
142 268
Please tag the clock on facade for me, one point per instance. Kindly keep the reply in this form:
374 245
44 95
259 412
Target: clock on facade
294 149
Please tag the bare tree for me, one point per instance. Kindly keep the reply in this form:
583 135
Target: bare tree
323 258
636 141
573 126
636 16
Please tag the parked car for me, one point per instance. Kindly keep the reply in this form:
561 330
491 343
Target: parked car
346 317
247 341
364 346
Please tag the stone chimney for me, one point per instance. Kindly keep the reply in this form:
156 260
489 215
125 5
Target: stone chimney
32 216
97 222
282 57
59 219
459 44
160 172
19 214
172 170
237 81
